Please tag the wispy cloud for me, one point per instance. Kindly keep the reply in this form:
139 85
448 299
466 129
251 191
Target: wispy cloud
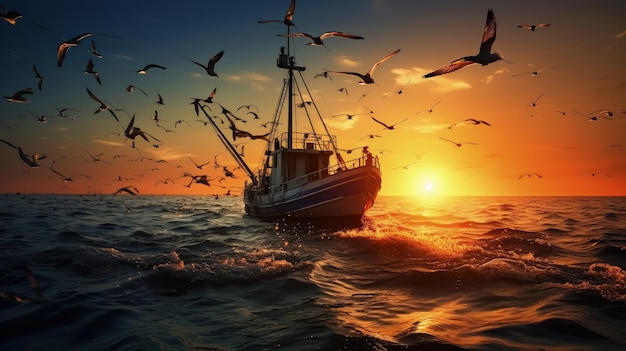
346 62
438 84
108 142
123 57
342 123
167 153
256 80
426 127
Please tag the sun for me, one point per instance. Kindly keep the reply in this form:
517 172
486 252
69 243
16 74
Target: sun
425 187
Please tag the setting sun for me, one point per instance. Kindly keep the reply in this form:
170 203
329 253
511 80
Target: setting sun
425 186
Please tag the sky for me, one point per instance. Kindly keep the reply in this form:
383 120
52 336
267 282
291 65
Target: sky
547 134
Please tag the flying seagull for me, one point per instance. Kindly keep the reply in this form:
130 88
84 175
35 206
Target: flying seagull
127 189
65 179
318 41
30 160
288 19
198 166
477 121
210 67
10 16
399 92
102 106
530 175
89 70
390 127
132 88
19 96
145 69
93 50
67 44
532 27
132 132
484 56
457 144
367 77
39 77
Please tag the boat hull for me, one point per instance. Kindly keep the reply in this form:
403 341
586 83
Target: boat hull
348 194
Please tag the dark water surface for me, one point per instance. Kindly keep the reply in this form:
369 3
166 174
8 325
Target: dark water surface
194 273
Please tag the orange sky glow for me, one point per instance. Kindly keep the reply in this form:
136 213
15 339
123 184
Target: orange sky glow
566 124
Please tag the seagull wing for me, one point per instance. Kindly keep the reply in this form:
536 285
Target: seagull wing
129 127
489 35
211 96
383 124
352 73
339 34
371 71
26 158
152 65
450 141
94 97
290 12
212 62
6 142
64 46
303 35
451 67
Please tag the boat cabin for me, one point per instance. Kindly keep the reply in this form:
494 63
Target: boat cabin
292 167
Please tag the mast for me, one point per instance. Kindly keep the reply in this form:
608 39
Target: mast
287 62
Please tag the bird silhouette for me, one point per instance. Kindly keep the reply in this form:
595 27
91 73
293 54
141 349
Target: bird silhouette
67 44
530 175
128 190
367 77
19 96
102 106
30 160
93 49
532 27
210 67
457 144
477 121
145 69
319 40
89 70
387 126
131 132
288 19
484 56
39 78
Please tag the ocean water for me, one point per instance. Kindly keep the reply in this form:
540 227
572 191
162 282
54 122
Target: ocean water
195 273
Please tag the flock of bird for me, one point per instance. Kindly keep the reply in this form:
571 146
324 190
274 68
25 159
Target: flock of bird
485 56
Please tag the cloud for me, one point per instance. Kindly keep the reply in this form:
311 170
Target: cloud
438 84
426 127
123 57
166 153
256 80
107 142
346 62
620 35
342 122
504 70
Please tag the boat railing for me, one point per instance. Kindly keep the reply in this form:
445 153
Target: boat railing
320 173
309 141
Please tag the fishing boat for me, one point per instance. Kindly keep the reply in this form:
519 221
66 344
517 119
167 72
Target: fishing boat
303 174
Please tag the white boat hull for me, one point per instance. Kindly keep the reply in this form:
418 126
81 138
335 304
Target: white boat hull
348 194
